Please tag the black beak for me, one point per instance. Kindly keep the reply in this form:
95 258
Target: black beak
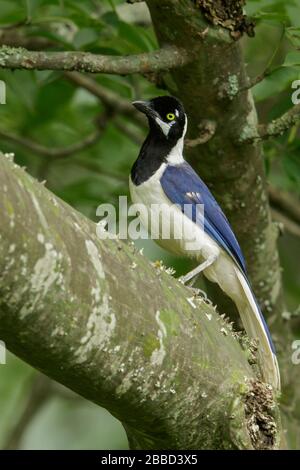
145 108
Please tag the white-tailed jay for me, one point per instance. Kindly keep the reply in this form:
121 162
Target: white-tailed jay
160 175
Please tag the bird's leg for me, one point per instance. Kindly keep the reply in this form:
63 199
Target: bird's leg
192 281
195 272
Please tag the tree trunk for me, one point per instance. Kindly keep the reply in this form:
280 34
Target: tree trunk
214 88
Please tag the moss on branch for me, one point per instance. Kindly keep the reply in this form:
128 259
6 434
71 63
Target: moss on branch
96 316
163 59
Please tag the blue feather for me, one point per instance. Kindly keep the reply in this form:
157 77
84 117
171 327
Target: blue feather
182 185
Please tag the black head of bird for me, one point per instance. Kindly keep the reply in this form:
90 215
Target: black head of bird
167 126
166 117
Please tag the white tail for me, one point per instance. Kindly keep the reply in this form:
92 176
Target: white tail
256 327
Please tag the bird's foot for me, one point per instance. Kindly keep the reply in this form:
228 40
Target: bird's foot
198 293
186 281
193 275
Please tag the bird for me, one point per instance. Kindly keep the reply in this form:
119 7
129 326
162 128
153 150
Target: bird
161 177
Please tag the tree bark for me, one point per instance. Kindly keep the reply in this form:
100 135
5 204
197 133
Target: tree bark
210 89
19 58
213 87
97 317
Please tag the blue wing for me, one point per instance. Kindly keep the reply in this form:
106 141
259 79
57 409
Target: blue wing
182 185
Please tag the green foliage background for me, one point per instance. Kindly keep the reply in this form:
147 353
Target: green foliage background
47 108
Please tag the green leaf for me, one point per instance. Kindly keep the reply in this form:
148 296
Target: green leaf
117 84
52 98
291 165
22 86
111 18
271 16
292 59
293 34
257 7
275 83
53 36
11 13
15 380
84 37
135 36
31 7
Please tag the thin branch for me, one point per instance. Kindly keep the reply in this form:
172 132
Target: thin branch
108 97
280 125
92 166
268 71
274 128
63 152
255 80
60 152
286 203
14 26
162 59
207 129
130 133
16 38
289 225
40 392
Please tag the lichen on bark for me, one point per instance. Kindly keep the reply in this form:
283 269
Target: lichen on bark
104 322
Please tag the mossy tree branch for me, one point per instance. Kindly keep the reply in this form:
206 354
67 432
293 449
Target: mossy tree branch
281 124
164 59
274 128
99 318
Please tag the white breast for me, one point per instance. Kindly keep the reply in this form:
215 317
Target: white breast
152 196
193 242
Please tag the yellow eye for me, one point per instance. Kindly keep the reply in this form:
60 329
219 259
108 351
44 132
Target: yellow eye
170 116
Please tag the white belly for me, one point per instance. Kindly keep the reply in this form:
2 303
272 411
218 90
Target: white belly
152 196
180 235
223 270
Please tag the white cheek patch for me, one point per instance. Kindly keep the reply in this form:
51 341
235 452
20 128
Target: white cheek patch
177 112
185 126
163 125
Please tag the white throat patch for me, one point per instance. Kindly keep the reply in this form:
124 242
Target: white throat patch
165 127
